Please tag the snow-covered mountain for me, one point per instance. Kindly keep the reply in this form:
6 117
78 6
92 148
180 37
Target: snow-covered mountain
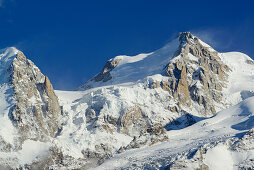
176 108
29 109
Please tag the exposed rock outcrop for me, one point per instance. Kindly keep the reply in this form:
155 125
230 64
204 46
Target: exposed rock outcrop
37 110
197 74
104 75
133 122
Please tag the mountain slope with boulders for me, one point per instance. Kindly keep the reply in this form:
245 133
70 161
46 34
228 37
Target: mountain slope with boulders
177 108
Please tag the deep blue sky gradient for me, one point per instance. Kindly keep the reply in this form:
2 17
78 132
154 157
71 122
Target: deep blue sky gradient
70 41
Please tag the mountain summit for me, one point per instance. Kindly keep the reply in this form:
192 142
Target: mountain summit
189 69
29 107
178 107
174 87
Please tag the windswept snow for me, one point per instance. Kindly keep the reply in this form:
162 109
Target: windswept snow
7 130
151 64
226 124
132 69
219 157
32 150
131 59
110 101
241 77
6 57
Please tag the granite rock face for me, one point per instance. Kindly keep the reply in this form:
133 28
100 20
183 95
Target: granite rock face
104 75
196 75
37 110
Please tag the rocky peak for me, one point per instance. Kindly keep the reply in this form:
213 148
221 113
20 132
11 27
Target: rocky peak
185 37
192 44
36 111
197 75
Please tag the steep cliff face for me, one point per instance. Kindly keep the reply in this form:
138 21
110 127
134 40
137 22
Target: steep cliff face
35 112
104 75
197 74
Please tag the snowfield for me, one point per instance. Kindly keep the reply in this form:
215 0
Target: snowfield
230 123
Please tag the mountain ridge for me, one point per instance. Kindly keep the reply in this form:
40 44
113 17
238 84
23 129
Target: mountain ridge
134 104
32 95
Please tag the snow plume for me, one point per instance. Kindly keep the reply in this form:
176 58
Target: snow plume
218 38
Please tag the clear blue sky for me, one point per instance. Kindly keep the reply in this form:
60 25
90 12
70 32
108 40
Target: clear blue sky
70 41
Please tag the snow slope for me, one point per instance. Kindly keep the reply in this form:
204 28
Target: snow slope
132 69
31 151
232 122
7 131
241 78
78 135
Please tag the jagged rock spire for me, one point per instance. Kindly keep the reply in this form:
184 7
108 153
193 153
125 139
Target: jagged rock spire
197 73
36 111
184 37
